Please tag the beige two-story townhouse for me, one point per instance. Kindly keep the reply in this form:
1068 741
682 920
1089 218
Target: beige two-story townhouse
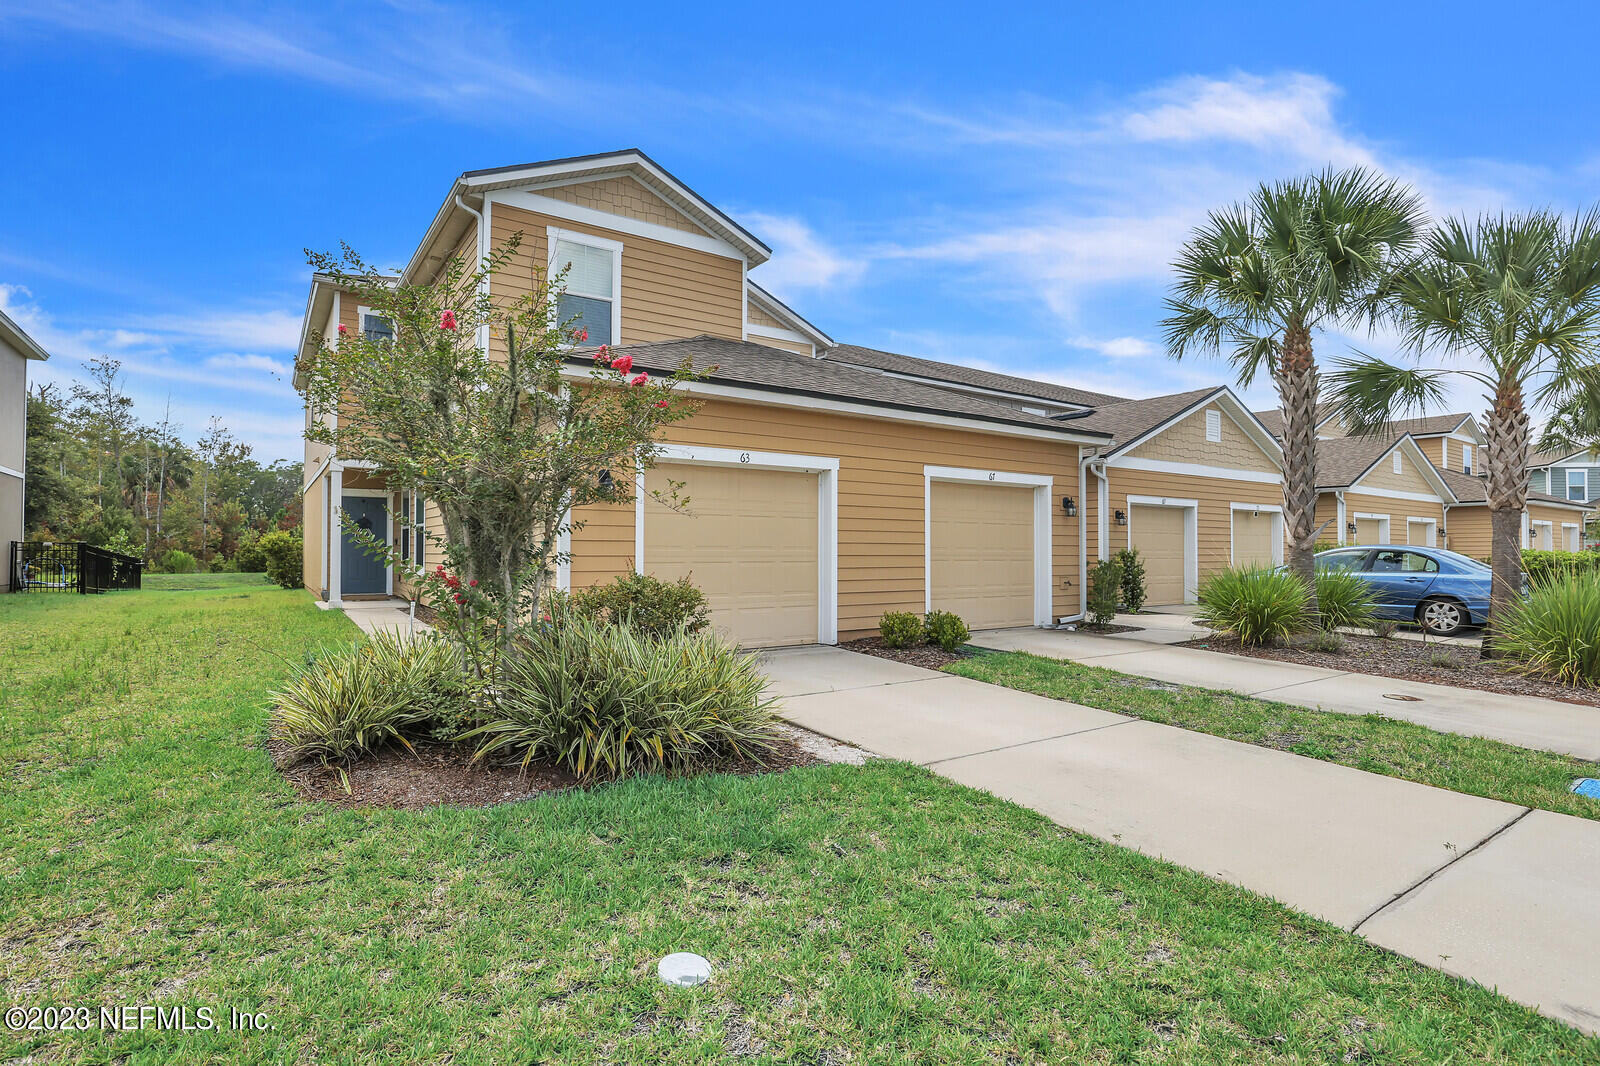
16 349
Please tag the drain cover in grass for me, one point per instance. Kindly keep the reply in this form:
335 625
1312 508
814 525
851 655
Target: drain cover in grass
1587 786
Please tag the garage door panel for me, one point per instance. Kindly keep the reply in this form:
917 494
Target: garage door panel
1369 531
981 549
1158 534
748 538
1252 539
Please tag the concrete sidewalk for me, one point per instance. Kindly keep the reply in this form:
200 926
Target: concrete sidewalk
1526 721
374 616
1483 889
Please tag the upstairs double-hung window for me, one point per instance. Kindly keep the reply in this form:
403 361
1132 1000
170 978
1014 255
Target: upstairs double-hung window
593 276
375 327
1577 485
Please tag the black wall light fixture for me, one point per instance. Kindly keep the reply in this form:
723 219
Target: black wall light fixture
1069 505
1350 528
1122 518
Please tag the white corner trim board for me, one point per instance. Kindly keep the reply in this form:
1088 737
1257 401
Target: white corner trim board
13 473
1042 485
827 471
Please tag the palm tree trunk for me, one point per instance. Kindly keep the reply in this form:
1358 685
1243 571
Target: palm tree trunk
1506 456
1297 392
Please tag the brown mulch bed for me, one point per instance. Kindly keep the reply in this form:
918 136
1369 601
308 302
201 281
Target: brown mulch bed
927 656
1411 660
445 775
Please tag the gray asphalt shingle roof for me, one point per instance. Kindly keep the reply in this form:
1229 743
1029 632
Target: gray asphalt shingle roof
965 375
1131 419
1342 460
1469 488
758 366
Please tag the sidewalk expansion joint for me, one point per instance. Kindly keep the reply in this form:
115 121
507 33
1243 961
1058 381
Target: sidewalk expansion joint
1029 743
861 688
1398 896
1303 681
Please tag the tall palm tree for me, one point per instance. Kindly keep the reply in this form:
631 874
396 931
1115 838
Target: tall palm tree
1519 295
1259 277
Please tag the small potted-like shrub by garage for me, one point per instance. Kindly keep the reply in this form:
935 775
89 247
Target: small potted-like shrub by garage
946 629
900 629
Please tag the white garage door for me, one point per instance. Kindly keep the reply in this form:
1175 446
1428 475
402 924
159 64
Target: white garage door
981 552
1252 539
1158 534
1370 531
748 538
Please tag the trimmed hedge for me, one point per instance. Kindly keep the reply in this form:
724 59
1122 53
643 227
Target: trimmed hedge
1542 565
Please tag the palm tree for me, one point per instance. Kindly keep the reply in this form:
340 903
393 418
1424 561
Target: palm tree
1520 295
1261 276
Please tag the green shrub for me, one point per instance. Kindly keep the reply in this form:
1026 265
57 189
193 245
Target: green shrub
1326 640
1383 628
653 607
1259 605
177 561
285 557
250 559
1105 592
946 630
1443 660
348 702
900 629
1544 566
1134 592
1344 600
1555 630
1325 545
605 702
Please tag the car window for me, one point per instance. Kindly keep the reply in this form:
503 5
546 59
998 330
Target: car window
1398 562
1341 560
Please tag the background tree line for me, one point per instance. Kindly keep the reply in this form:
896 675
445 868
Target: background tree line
100 471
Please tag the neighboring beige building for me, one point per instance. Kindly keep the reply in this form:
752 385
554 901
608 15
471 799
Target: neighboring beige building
16 348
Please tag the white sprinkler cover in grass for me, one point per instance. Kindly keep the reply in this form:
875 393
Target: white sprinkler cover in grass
684 969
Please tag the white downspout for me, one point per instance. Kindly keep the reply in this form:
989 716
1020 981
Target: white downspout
1085 464
483 253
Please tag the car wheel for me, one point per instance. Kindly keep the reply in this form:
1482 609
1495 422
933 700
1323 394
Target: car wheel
1442 618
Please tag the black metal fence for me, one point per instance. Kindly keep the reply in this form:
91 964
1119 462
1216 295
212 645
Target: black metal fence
47 566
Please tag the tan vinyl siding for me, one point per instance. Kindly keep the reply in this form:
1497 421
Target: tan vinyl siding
314 532
1399 511
1186 442
1214 517
758 317
1468 531
1382 476
668 291
622 196
881 507
801 347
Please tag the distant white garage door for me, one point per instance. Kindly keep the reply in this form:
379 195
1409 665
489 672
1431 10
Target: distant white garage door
1371 531
980 552
1252 538
1158 534
748 538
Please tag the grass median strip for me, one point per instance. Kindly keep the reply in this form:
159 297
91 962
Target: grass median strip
1473 765
872 914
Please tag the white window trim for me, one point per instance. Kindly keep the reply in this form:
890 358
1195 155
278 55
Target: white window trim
1399 464
1583 481
1432 534
1191 539
361 319
1383 521
1214 426
1042 485
556 233
827 471
1276 510
336 537
1466 458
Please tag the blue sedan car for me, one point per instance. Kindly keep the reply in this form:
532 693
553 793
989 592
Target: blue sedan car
1442 591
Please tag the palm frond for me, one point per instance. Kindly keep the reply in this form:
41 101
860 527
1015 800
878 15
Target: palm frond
1369 393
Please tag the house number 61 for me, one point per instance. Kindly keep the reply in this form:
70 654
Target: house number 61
991 475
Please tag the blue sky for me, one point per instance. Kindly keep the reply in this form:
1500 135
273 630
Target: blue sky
1002 189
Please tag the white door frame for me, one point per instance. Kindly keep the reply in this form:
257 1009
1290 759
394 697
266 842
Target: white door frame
1041 484
1576 528
336 537
1433 530
1548 526
1191 536
827 471
1381 519
1276 510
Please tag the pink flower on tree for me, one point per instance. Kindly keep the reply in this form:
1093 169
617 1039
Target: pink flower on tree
580 334
343 329
472 584
622 364
447 320
661 403
602 353
460 598
639 379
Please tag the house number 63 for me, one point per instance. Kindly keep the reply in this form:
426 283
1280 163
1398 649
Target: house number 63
744 457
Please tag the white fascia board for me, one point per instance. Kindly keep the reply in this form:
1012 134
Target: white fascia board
778 334
864 410
784 313
588 216
1164 466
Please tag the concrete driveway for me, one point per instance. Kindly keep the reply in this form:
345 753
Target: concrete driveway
1482 889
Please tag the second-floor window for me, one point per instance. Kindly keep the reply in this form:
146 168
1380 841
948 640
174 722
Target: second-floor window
593 265
1577 484
376 327
1466 459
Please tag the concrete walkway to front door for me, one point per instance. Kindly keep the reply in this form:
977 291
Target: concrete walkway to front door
1492 892
1526 721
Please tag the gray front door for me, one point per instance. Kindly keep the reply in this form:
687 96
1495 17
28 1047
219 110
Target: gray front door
362 573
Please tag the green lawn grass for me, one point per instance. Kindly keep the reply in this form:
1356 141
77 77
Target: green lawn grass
191 582
150 855
1370 742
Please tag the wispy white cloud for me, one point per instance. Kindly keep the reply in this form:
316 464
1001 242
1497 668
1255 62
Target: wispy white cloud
1117 347
238 361
800 258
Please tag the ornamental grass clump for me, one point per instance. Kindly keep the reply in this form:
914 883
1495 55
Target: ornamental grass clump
606 702
1555 630
1258 605
353 700
1344 601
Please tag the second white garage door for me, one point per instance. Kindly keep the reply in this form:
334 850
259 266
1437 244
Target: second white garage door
1158 534
748 538
980 552
1252 538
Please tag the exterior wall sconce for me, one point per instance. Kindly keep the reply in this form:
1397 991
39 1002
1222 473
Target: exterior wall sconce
605 481
1069 505
1350 528
1122 518
1443 532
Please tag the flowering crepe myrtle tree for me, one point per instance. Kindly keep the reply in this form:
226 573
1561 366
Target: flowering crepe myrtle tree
506 442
